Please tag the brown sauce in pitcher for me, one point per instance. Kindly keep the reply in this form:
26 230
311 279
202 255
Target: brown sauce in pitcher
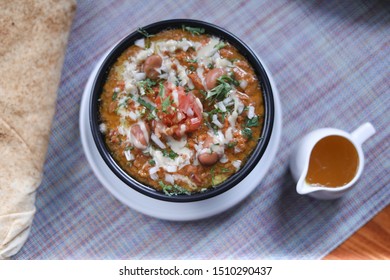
333 162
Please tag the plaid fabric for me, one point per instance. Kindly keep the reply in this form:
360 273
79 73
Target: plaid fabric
330 61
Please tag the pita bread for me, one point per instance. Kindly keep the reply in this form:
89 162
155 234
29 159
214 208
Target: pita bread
34 36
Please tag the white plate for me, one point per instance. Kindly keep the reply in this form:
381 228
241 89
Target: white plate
183 211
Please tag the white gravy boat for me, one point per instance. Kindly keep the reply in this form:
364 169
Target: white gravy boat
299 160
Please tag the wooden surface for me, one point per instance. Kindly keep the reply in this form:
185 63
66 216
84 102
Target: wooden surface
371 242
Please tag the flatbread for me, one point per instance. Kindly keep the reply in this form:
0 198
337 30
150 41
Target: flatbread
33 40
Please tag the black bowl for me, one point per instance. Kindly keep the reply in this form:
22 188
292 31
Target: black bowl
212 29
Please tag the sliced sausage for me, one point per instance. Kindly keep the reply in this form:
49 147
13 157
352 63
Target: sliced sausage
212 76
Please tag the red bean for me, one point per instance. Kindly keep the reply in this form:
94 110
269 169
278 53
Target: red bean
212 76
208 159
139 140
150 65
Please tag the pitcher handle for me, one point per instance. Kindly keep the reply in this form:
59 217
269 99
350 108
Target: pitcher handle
363 132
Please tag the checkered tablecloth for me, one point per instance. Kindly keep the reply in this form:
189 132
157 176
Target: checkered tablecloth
330 61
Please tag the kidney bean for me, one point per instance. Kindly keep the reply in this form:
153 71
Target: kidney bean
208 159
150 65
138 137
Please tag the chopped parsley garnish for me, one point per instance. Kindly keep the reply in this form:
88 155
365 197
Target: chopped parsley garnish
232 144
220 91
161 92
171 154
193 30
166 104
210 66
114 95
151 117
152 162
147 36
192 60
252 122
147 85
144 32
172 189
220 45
123 103
192 68
229 80
247 133
225 170
146 104
203 92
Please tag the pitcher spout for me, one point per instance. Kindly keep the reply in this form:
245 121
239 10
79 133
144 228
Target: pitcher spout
303 187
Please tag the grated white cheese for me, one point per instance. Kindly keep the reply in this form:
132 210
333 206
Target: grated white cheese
153 170
171 168
158 142
216 121
103 128
222 63
175 96
205 52
169 178
251 112
223 159
184 179
140 43
154 176
221 106
229 134
243 84
139 76
236 164
133 115
129 156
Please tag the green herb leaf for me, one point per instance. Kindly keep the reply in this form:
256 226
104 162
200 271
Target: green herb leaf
173 190
147 36
152 162
114 95
228 79
232 144
247 133
252 122
171 154
193 30
220 45
147 85
161 92
192 60
219 92
166 104
144 32
146 104
225 170
151 117
203 92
